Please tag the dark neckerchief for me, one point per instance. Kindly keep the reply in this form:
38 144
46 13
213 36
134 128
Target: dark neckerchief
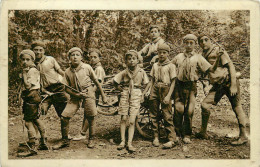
76 69
166 62
96 65
208 52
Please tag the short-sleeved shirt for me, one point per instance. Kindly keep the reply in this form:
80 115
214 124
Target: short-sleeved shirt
33 77
221 73
150 49
140 78
100 72
163 72
80 78
188 66
48 68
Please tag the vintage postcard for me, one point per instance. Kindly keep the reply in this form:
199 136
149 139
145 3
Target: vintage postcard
129 83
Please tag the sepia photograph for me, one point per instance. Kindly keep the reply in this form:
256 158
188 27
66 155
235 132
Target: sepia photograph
130 84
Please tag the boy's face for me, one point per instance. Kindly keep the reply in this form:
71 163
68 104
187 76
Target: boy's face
163 54
26 60
205 43
94 58
132 61
154 33
189 45
75 58
39 52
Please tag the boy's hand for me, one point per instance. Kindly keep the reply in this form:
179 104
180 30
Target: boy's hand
49 93
142 98
233 90
104 99
166 100
83 95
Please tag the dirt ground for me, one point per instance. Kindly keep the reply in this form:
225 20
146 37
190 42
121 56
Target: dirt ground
223 129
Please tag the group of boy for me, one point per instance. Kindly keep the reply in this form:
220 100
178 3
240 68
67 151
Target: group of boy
168 78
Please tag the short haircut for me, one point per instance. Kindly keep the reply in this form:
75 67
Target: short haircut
131 53
203 35
37 43
94 50
155 26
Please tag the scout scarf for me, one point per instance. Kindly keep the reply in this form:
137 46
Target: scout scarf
75 77
132 76
206 54
166 62
96 65
187 66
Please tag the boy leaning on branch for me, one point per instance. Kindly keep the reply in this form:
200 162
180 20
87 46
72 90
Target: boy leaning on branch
224 82
79 78
31 100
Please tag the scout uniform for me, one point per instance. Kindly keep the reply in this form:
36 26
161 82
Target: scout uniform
51 81
31 100
162 75
131 96
188 66
220 79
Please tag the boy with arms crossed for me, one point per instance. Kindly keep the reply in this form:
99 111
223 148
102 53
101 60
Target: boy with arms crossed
130 82
224 82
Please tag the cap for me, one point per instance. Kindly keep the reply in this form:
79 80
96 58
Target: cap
28 52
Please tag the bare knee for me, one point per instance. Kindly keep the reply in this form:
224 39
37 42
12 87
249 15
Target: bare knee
123 118
132 120
179 107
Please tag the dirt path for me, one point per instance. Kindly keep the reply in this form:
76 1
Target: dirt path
222 128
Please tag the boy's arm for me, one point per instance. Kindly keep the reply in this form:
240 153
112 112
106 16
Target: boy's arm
168 96
215 65
101 90
232 71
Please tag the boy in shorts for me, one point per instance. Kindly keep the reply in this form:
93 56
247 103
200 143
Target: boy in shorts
31 100
224 82
94 56
188 65
163 75
79 78
130 82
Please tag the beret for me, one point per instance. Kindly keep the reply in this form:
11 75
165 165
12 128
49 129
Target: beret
74 49
164 46
28 52
155 26
37 43
94 50
134 53
190 37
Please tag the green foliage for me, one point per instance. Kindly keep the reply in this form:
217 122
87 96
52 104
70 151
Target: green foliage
114 32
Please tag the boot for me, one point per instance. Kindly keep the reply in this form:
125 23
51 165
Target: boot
32 150
64 143
43 145
156 142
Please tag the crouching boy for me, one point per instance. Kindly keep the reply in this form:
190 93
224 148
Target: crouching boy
31 100
78 79
163 75
130 82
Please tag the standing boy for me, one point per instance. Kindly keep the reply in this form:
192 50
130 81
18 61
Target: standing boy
163 76
94 56
79 78
50 73
149 52
31 100
130 82
224 82
188 64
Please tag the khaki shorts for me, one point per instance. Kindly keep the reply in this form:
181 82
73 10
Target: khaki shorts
89 105
132 106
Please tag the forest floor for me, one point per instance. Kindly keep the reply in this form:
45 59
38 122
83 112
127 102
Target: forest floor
222 128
